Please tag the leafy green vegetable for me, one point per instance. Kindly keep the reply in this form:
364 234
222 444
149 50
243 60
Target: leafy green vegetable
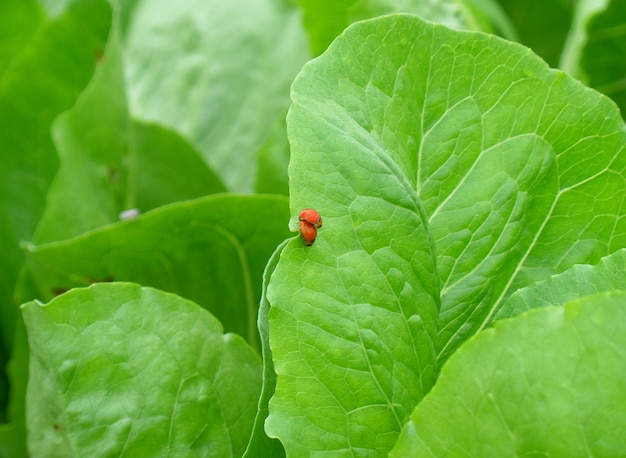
550 381
579 281
47 64
110 163
449 166
117 369
211 250
458 177
231 84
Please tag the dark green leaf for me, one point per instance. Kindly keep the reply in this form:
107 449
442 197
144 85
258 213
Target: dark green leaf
603 56
211 250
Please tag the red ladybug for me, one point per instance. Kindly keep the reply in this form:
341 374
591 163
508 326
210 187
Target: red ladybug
312 217
310 222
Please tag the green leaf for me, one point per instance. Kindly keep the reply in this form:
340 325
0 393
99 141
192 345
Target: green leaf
18 22
546 383
110 163
260 444
326 19
576 282
273 160
415 141
603 56
46 66
117 369
542 25
217 72
211 250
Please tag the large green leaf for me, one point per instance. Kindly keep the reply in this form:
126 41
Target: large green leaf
47 64
117 369
111 163
46 58
211 250
218 72
547 383
416 141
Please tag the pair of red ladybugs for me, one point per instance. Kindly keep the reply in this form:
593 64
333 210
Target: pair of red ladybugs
310 222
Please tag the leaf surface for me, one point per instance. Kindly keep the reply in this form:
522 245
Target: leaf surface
576 282
211 250
117 369
451 168
216 72
111 163
46 67
547 382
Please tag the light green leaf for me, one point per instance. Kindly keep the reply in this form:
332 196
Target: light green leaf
546 383
416 141
211 250
110 163
217 72
260 445
326 19
117 369
273 160
576 282
45 69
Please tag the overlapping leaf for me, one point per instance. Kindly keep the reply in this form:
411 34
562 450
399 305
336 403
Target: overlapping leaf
210 250
602 58
576 282
46 59
117 369
448 166
217 72
549 382
46 67
111 163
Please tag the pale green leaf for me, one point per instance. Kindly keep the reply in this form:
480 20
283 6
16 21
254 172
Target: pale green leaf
218 72
546 383
110 163
121 370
